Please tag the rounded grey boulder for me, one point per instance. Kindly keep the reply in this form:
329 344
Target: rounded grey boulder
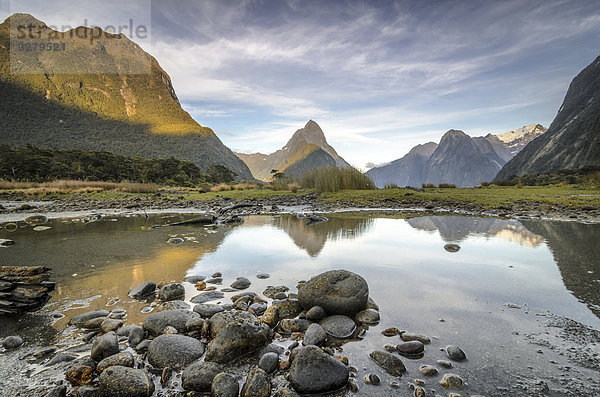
225 385
143 290
124 359
336 291
199 376
118 381
155 323
171 292
104 346
257 384
314 371
314 335
339 326
268 362
175 351
12 342
237 339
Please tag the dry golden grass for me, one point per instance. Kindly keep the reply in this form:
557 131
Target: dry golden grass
220 188
77 187
293 187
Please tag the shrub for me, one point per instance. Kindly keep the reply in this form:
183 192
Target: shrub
428 185
391 186
333 179
220 187
485 184
447 186
293 187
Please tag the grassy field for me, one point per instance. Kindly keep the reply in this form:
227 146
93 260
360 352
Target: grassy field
570 196
487 197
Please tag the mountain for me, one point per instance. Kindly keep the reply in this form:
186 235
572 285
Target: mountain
459 159
406 171
573 139
519 138
105 94
306 150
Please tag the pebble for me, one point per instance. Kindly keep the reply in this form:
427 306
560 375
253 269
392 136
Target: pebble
428 370
372 379
392 331
263 276
450 381
389 362
444 363
455 353
12 342
225 385
411 349
241 283
367 317
410 336
452 247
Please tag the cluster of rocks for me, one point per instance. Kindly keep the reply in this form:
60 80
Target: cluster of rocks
311 201
275 344
24 288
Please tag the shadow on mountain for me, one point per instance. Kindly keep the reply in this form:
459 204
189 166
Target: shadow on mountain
576 252
457 228
29 118
312 237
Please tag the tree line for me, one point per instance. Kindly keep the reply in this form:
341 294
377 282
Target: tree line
33 164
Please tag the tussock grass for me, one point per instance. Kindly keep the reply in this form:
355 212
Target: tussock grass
77 186
333 179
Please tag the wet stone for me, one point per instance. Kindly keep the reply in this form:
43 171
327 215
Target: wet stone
367 316
207 310
225 385
316 314
411 336
290 325
241 283
118 381
338 326
82 318
270 291
175 351
124 359
428 370
257 384
389 362
455 353
171 292
314 371
269 362
444 363
143 290
392 331
12 342
411 349
315 335
451 381
287 308
199 376
452 247
207 297
80 375
104 346
262 276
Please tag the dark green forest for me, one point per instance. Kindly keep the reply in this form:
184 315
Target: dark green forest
33 164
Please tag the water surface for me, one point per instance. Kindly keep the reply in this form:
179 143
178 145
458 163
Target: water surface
495 297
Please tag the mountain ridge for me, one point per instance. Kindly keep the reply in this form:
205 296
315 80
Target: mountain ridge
458 159
126 114
307 149
573 139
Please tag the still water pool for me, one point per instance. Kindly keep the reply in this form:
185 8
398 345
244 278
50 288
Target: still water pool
521 298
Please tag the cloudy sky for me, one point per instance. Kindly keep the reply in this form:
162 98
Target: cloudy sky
378 76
